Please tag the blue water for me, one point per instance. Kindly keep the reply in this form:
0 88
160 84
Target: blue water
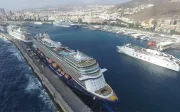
20 90
141 87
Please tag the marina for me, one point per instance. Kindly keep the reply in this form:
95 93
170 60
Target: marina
163 42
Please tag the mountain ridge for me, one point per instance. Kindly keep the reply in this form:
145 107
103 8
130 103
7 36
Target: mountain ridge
161 8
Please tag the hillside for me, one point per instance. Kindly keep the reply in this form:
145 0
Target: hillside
158 11
135 3
161 8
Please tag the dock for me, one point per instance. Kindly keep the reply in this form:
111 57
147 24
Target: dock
61 94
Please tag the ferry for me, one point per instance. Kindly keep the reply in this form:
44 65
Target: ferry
151 56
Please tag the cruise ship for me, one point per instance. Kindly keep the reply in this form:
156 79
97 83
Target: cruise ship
151 56
19 33
62 23
76 68
38 23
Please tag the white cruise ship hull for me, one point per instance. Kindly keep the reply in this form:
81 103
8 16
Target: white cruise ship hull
148 58
61 25
19 38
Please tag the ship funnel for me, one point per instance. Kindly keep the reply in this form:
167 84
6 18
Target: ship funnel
19 29
45 35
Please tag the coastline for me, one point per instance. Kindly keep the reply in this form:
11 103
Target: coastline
134 33
162 41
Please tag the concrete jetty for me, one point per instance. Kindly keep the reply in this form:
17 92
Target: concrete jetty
64 97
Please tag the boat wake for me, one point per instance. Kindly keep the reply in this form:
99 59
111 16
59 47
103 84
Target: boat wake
15 53
5 40
11 48
32 85
35 87
46 99
19 56
151 71
157 71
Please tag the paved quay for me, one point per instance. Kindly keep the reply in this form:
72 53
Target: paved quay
61 94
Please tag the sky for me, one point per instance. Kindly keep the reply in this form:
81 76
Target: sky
25 4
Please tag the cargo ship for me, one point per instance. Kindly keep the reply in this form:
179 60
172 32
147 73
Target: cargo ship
77 69
19 33
151 56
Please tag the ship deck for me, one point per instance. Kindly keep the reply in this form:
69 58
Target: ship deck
104 91
134 47
87 63
64 52
143 51
166 58
83 63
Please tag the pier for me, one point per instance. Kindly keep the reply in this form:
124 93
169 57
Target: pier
62 95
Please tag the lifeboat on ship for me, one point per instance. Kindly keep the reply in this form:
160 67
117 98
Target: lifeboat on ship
55 65
67 76
59 70
50 61
62 72
151 43
36 49
39 52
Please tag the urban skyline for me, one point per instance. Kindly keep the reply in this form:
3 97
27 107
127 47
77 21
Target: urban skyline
26 4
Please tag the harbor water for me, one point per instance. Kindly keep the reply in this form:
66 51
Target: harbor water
20 90
140 86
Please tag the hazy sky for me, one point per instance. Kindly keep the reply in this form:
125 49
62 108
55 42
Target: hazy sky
23 4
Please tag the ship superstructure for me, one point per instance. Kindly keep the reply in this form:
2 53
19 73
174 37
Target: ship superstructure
151 56
19 33
83 70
